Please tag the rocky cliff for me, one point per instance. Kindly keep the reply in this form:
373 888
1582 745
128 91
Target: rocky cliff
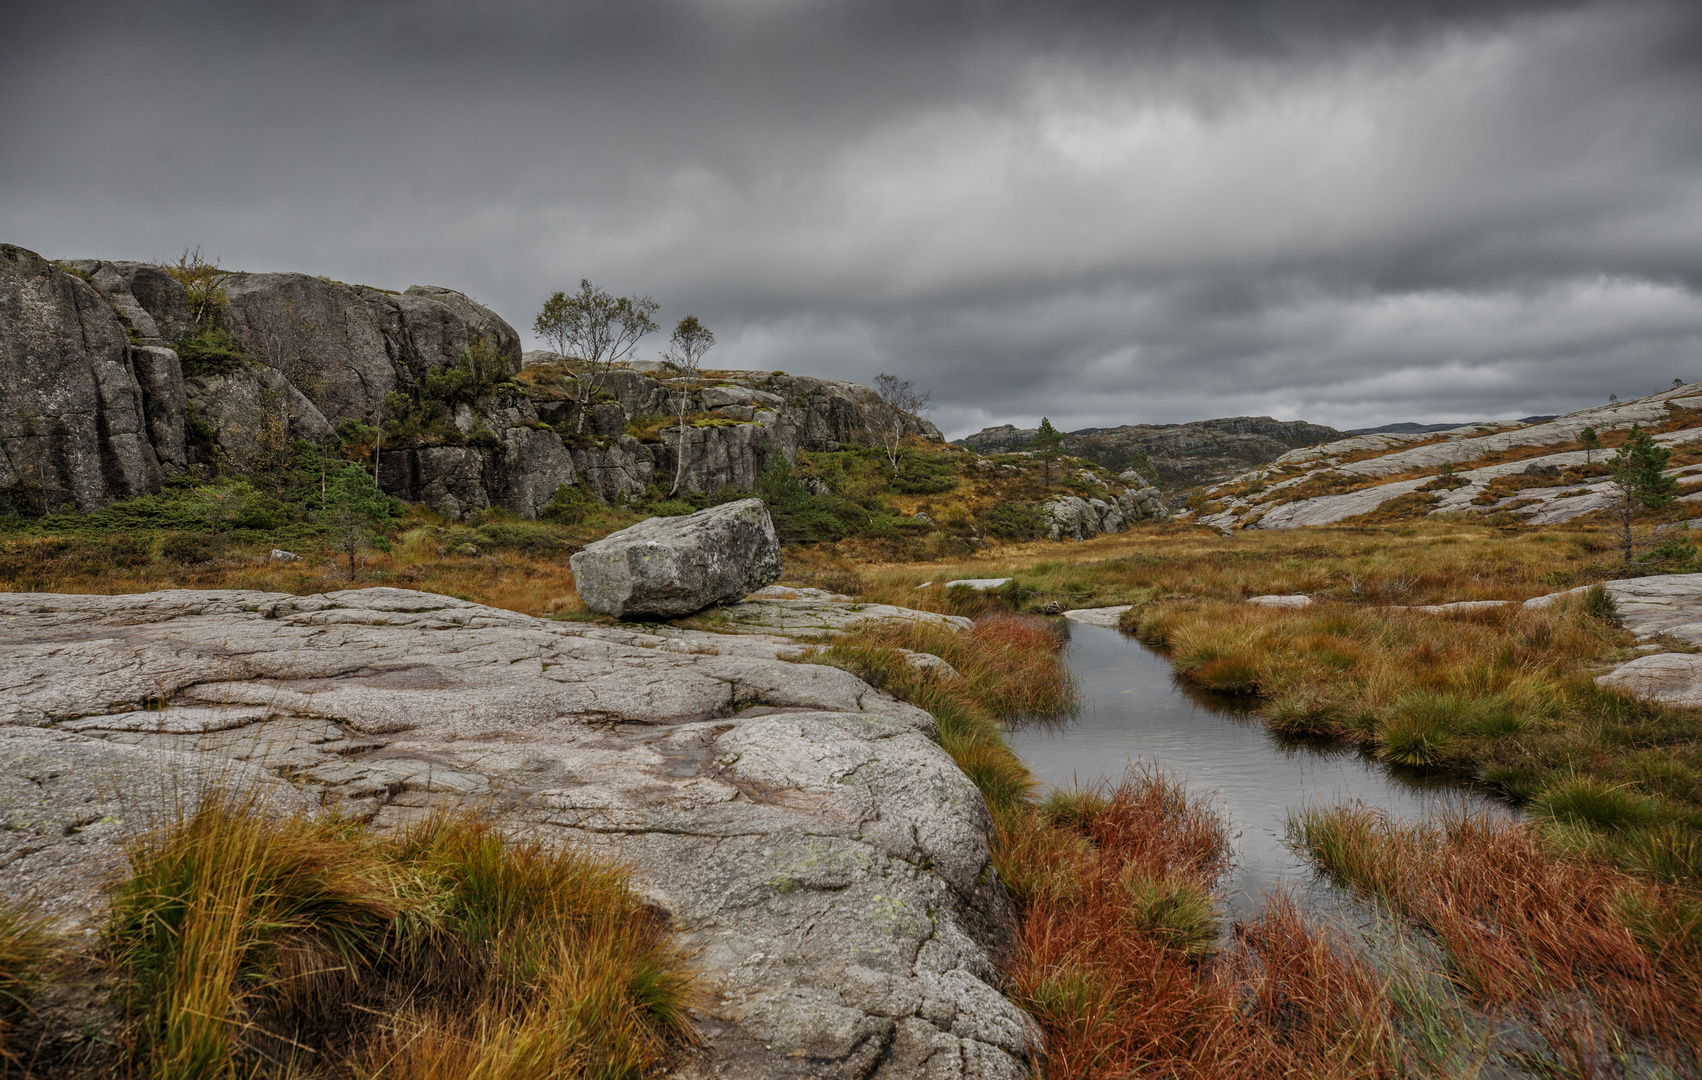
1181 455
111 384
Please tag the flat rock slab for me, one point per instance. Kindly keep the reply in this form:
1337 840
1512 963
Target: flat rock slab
813 618
1672 678
802 830
1659 604
986 584
1099 616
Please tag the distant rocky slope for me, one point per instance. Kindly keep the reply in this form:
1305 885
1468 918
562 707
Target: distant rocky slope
1181 455
104 397
1538 472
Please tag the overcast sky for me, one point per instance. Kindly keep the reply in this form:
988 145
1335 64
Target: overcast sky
1342 211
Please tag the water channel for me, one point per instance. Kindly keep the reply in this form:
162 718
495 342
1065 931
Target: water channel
1135 710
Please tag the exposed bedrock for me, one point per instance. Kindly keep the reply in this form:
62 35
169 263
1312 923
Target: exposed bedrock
802 830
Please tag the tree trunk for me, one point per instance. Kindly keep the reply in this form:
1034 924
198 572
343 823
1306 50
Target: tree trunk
680 450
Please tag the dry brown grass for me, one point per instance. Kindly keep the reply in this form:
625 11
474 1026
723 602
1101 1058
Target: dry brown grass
1422 562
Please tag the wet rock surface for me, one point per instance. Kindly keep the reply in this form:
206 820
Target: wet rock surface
800 829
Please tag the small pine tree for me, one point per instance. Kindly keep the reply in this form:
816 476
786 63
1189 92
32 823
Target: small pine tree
355 510
1591 443
1048 445
1639 481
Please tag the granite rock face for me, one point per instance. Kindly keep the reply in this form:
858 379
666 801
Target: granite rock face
801 830
346 346
74 423
674 566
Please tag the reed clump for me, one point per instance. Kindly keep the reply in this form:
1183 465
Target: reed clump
264 944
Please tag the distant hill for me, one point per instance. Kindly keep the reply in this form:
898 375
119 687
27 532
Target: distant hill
1175 455
1424 429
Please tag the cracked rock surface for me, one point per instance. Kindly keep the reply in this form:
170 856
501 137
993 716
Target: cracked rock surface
802 830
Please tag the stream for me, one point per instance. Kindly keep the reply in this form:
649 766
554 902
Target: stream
1135 710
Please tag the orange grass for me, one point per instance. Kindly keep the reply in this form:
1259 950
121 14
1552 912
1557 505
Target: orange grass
1580 949
1120 991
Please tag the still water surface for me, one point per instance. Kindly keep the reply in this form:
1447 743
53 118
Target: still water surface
1134 709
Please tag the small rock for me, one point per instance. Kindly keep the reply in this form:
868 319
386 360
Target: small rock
929 662
674 566
979 584
280 555
1298 600
1099 616
466 551
923 518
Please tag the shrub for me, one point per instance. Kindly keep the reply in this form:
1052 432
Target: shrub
1010 521
925 474
211 350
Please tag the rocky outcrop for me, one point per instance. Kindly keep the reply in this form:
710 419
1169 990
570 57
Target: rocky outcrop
1076 518
101 407
1003 439
346 346
74 419
805 836
670 567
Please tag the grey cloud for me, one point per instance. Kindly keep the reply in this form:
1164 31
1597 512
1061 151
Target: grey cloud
1107 213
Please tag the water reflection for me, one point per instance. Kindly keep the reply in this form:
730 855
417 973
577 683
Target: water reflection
1134 709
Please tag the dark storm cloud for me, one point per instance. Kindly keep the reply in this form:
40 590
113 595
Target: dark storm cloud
1107 213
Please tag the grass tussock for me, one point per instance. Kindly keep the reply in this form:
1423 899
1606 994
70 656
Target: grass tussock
1598 965
261 944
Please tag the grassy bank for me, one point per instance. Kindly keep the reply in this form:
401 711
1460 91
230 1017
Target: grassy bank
249 944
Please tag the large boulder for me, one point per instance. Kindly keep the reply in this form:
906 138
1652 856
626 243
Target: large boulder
671 567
